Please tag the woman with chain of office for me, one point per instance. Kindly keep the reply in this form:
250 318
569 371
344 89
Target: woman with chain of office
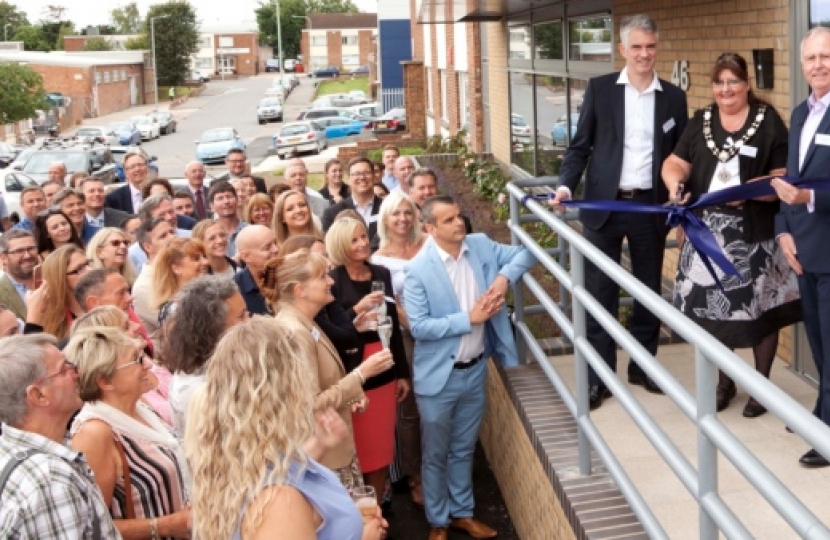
730 142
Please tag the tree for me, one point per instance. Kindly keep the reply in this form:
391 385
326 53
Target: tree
64 30
177 37
32 38
292 28
96 43
54 12
53 33
21 93
331 6
9 15
140 43
127 19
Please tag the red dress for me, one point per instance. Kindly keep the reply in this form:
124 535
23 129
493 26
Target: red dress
374 429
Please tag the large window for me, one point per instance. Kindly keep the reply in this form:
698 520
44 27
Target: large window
590 39
549 43
519 46
318 41
522 122
348 40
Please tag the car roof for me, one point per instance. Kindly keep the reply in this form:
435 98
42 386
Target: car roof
300 123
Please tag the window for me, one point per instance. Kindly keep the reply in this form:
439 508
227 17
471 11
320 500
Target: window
521 120
318 41
123 74
519 46
351 60
203 63
115 75
444 105
106 77
547 41
591 39
319 62
348 40
97 77
205 42
225 41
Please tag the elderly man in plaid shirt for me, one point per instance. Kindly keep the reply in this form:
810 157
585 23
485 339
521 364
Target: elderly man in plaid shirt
46 490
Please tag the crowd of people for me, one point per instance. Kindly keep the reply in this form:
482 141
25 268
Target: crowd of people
231 360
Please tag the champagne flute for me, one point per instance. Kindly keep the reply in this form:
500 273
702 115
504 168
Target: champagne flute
377 286
366 501
385 330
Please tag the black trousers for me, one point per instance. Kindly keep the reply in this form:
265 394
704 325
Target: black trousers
646 242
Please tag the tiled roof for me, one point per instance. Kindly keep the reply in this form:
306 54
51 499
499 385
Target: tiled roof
343 21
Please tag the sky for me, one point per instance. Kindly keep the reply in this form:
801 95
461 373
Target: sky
213 14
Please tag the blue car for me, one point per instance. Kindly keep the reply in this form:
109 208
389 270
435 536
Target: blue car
330 71
560 129
214 144
337 126
127 133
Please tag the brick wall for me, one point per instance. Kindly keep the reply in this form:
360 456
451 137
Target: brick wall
416 31
414 82
474 95
74 43
435 87
366 47
246 63
499 92
305 50
335 48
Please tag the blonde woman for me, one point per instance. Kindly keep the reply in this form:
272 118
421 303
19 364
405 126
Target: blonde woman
138 464
215 238
52 307
259 211
180 261
270 485
298 287
292 215
108 249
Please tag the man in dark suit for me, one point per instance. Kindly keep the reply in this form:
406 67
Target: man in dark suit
195 174
18 253
236 161
803 223
97 214
362 201
128 197
630 122
255 244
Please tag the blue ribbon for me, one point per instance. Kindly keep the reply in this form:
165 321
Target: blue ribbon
700 236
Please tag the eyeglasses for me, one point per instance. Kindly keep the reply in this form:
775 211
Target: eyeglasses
80 269
235 161
730 83
21 251
66 368
361 173
118 243
138 360
136 166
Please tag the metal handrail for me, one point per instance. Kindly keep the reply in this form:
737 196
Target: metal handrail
713 436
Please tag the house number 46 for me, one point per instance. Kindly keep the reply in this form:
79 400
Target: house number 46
680 74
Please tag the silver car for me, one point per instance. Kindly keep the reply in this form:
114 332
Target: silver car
12 183
96 134
296 137
269 109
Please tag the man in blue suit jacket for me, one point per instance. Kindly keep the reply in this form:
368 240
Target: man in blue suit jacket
802 226
454 298
628 125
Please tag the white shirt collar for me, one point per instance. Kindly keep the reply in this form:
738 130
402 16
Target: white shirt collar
445 257
655 81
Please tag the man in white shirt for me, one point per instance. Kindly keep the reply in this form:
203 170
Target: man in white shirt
128 198
388 156
404 166
628 145
96 213
296 177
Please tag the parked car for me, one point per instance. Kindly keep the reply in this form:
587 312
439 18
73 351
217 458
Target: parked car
394 120
12 183
296 137
366 113
272 64
148 128
360 70
330 71
167 124
290 64
214 144
95 160
324 113
127 133
269 109
120 152
338 126
560 129
293 80
337 100
276 92
200 77
96 134
21 159
358 94
7 154
519 129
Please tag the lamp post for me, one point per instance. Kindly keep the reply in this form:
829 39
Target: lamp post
6 32
153 46
279 33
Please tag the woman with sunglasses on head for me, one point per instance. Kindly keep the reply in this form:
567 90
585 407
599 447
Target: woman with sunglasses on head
52 230
52 307
730 142
108 249
138 464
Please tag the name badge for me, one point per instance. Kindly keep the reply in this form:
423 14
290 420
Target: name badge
749 151
668 125
823 139
373 218
315 333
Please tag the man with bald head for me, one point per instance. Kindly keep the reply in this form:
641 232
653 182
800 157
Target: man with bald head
296 177
195 174
404 166
57 171
255 245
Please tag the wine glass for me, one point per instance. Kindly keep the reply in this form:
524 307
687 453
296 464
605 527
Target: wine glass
377 286
385 330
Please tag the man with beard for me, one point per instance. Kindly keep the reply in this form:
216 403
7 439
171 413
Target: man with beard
18 252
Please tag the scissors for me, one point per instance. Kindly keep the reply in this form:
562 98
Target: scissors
675 201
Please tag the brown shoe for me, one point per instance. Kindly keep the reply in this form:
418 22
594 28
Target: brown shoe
438 533
474 528
417 492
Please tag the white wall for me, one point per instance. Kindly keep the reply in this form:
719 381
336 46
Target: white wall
460 47
427 29
441 45
393 9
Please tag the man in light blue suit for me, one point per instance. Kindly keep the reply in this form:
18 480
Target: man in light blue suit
454 298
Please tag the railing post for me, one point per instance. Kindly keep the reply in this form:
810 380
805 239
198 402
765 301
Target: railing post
518 300
707 453
580 363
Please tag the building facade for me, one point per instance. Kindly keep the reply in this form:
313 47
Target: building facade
230 53
342 40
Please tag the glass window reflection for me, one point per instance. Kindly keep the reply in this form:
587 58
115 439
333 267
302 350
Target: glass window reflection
590 40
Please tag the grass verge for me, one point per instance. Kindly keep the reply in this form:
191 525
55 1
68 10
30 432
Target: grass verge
343 85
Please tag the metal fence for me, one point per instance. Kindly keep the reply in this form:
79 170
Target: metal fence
713 437
391 98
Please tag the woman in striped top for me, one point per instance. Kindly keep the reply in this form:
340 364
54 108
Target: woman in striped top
138 464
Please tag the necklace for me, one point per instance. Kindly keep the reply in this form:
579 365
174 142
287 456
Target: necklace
729 148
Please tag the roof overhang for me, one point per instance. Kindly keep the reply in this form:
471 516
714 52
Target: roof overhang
452 11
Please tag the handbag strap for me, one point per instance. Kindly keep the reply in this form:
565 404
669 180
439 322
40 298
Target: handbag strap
128 485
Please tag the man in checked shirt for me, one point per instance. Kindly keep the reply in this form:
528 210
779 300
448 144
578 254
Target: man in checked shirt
46 489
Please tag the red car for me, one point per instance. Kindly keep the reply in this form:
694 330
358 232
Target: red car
394 120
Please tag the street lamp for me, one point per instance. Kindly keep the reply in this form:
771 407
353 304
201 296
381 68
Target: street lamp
153 46
6 32
279 33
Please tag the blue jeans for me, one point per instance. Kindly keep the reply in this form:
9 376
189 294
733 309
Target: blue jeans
450 422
